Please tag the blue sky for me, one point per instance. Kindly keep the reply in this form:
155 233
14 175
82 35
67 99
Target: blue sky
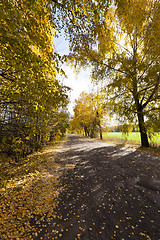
78 82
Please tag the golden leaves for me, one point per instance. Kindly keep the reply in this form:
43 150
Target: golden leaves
30 91
70 166
88 113
145 235
28 195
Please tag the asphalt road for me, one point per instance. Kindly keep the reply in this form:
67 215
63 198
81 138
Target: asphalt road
111 193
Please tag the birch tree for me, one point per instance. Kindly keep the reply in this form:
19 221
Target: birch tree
127 57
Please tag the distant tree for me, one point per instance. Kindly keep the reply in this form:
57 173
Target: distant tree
88 114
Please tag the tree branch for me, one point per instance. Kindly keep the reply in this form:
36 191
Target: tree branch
108 66
146 69
143 90
152 109
6 77
127 70
152 94
64 7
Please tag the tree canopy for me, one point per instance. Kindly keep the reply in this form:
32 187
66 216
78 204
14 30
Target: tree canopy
31 95
126 55
119 40
30 91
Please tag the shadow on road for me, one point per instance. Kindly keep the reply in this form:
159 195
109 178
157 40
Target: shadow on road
112 193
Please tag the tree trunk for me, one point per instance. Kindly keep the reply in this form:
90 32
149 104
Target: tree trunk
99 124
92 132
85 130
100 131
142 129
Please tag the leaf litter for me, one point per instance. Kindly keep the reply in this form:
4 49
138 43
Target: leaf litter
28 189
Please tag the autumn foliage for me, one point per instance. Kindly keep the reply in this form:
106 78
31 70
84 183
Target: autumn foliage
88 115
124 53
31 94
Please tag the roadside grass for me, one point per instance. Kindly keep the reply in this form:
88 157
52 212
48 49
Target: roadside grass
28 189
133 141
134 136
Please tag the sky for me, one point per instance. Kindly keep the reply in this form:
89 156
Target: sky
77 82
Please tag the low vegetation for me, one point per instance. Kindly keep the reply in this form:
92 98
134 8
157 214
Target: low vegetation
134 136
28 189
133 140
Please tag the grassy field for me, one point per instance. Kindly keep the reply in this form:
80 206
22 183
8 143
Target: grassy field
134 136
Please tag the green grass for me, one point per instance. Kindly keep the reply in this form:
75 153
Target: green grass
134 136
